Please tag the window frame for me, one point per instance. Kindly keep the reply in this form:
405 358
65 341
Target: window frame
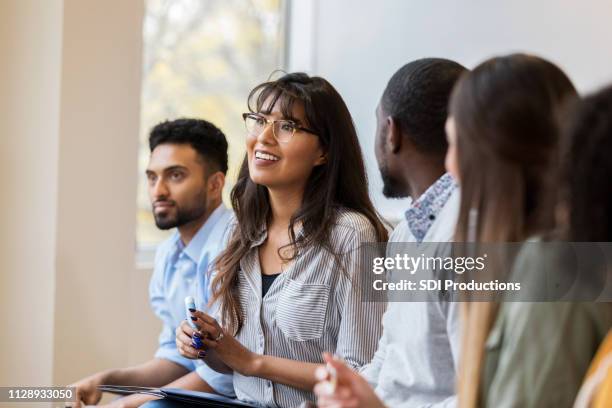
145 253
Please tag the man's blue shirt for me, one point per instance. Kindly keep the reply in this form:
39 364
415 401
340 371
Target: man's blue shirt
181 271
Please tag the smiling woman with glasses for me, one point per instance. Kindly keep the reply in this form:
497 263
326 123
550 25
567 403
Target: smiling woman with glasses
287 285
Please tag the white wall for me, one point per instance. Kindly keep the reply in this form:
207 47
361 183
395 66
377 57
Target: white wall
359 44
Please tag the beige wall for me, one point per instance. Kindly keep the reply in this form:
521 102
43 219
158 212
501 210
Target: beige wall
97 177
30 48
71 299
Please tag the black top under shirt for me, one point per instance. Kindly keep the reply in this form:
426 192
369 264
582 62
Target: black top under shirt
266 282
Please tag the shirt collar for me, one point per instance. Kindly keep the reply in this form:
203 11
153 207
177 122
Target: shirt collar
195 247
299 229
425 209
261 238
176 248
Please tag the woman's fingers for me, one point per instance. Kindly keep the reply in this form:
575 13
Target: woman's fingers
337 391
326 389
344 375
194 343
208 330
349 403
208 327
201 325
321 373
327 397
185 345
183 339
209 343
204 317
323 389
185 328
188 351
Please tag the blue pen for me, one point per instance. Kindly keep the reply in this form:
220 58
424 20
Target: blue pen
190 307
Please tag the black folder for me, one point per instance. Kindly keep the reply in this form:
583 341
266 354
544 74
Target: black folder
202 399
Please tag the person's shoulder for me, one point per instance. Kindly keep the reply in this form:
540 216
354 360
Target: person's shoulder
224 218
345 218
228 223
231 226
351 227
401 232
227 214
563 318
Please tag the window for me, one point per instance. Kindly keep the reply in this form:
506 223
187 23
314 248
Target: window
201 59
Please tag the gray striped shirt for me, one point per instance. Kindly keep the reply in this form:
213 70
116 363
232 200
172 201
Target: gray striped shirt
310 308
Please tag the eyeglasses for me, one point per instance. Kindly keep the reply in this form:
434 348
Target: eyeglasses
282 129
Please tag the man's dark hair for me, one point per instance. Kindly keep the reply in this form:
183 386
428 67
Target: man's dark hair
204 137
417 97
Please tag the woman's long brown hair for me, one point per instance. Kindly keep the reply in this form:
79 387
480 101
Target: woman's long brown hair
506 118
340 183
586 195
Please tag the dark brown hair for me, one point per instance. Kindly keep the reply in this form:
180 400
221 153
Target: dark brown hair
339 183
587 169
506 113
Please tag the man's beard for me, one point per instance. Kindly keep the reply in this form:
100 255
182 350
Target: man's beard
391 187
182 216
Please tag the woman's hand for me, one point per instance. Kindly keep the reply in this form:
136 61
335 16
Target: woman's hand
225 346
213 338
188 342
347 390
